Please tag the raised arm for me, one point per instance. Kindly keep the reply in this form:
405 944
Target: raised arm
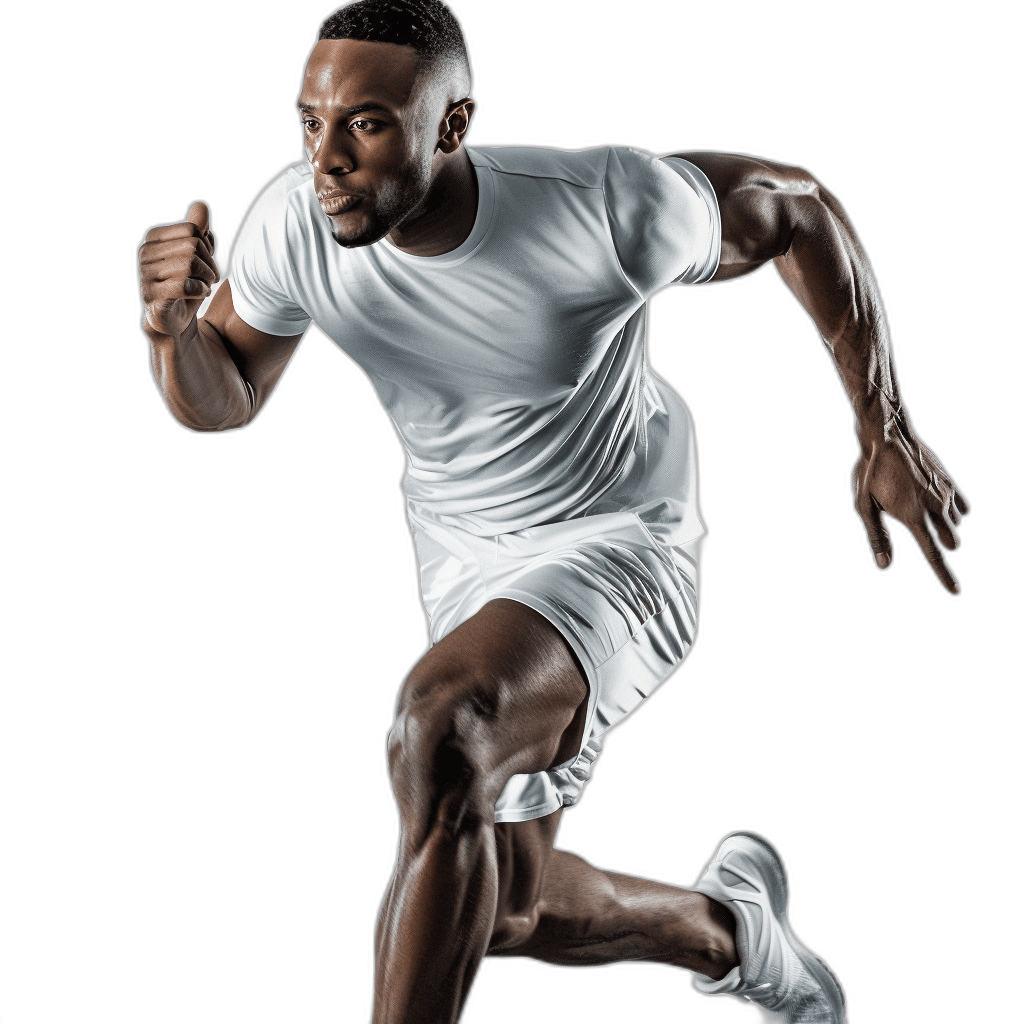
215 373
773 212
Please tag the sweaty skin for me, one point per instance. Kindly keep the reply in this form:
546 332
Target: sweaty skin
503 694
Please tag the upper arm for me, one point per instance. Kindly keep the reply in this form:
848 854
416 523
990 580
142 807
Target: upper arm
259 357
762 204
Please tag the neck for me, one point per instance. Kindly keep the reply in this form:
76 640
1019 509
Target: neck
444 220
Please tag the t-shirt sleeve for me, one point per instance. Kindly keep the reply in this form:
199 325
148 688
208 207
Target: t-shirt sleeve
262 278
664 220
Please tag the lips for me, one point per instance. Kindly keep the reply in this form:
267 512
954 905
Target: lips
333 201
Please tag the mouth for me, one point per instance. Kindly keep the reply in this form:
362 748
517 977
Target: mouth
333 201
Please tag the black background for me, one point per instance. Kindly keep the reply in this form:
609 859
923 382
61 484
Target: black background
268 606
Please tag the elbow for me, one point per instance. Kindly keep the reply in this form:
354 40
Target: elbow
205 421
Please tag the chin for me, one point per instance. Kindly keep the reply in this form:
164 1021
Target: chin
351 239
351 235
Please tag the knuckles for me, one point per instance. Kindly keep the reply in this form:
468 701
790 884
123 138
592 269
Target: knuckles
188 258
166 232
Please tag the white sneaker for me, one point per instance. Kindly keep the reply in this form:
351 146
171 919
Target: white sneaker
775 971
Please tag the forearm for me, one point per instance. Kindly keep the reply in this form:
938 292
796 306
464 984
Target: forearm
778 213
828 272
199 380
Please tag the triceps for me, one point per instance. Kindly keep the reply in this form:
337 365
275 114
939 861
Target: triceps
758 201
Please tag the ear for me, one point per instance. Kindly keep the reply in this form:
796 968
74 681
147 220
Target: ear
455 125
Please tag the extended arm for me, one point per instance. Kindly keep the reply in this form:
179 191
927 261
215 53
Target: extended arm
773 212
215 373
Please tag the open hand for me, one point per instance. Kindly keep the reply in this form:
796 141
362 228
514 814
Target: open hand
898 475
177 270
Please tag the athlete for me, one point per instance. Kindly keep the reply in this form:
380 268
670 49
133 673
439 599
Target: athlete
497 299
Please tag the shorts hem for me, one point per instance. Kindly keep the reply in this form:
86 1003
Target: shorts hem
528 813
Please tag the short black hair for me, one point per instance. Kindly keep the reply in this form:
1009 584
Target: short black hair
428 26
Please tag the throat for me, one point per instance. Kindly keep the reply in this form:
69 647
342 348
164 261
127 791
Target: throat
445 218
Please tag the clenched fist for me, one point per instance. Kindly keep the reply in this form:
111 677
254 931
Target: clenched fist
177 270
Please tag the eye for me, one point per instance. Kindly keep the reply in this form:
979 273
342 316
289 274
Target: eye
311 125
362 125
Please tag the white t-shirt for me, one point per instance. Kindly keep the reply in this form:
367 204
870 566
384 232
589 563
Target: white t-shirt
513 366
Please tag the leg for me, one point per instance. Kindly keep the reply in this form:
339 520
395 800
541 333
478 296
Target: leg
501 695
571 913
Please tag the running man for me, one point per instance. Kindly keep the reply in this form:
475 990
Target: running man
497 300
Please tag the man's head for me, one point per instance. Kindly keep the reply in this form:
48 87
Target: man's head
384 104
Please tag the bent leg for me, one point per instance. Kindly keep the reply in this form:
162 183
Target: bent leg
501 695
569 912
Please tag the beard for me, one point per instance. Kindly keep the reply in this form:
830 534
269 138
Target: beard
375 216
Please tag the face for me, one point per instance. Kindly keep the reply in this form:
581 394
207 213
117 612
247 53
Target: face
370 133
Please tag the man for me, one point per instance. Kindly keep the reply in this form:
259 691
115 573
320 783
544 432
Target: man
497 301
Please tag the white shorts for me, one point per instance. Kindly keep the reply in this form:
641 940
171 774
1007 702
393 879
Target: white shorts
625 602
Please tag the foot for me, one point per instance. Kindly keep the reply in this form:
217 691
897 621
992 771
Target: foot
775 971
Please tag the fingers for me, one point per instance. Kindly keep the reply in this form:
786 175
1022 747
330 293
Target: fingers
176 288
945 508
195 225
934 556
167 231
177 279
906 481
177 271
961 503
878 536
175 238
153 252
199 214
944 530
165 264
181 259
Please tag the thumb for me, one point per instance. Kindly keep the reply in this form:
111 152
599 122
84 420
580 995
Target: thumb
199 214
878 536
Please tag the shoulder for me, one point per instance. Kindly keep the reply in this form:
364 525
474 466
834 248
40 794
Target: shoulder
281 219
645 178
277 225
291 190
291 180
583 168
663 217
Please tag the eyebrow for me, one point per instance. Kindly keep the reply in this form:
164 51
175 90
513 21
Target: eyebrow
361 108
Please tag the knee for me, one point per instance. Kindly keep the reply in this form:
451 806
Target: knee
439 746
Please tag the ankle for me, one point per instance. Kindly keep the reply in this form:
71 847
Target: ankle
716 947
717 958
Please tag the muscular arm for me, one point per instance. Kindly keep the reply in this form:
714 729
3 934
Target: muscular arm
215 373
778 213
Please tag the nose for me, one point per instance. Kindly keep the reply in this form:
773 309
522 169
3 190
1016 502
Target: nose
332 154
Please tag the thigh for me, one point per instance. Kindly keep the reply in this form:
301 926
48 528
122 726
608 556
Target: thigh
512 675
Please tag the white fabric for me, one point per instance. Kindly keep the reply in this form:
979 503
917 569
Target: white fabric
775 970
513 367
626 604
545 461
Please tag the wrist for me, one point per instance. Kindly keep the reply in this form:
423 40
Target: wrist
880 417
162 338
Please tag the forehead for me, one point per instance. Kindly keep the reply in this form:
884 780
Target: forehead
348 72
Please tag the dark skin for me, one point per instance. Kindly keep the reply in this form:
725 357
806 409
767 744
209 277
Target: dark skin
503 694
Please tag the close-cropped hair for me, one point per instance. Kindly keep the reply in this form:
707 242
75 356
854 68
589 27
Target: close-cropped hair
428 26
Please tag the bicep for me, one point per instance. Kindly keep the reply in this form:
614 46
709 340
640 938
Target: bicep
259 357
761 206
